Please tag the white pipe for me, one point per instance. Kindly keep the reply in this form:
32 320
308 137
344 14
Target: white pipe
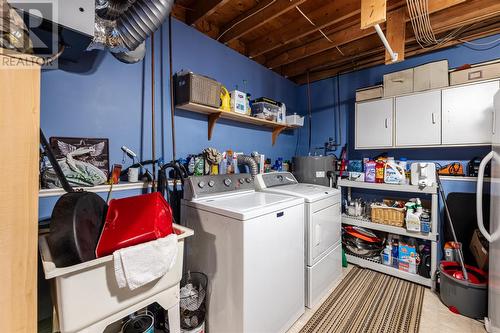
394 55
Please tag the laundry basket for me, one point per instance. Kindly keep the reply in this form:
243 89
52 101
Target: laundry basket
192 302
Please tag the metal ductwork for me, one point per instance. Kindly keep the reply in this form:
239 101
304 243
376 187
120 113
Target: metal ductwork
123 26
250 162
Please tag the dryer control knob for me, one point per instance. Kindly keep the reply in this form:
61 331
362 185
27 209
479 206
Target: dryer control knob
201 184
248 180
227 181
211 183
241 180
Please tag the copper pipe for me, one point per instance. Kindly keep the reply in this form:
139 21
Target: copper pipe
153 132
172 107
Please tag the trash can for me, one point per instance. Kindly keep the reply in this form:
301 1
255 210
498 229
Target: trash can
193 302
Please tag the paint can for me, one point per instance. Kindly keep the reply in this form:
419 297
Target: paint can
143 323
133 175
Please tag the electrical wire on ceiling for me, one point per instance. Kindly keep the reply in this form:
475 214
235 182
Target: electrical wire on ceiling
418 11
320 30
245 18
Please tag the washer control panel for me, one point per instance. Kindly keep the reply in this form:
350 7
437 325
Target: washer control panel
199 186
277 179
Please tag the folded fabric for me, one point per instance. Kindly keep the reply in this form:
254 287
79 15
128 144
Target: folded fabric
138 265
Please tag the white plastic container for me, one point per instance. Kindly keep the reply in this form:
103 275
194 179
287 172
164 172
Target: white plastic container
87 297
393 173
239 102
295 120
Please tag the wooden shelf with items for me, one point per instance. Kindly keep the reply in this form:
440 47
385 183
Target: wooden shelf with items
214 114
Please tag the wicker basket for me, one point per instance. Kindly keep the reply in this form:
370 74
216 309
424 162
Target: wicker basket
195 88
388 215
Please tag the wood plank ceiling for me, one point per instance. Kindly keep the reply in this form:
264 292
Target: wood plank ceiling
309 40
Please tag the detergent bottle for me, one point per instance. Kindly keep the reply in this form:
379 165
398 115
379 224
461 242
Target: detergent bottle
379 171
393 173
226 99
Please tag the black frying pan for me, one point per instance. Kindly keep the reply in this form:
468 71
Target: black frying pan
76 221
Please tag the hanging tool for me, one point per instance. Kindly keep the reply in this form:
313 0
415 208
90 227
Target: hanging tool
465 276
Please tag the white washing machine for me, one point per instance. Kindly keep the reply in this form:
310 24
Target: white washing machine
250 244
323 250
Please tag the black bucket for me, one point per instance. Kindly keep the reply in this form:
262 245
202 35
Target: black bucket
468 298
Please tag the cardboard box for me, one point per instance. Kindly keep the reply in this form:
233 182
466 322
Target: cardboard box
479 249
430 76
368 93
407 258
478 72
398 83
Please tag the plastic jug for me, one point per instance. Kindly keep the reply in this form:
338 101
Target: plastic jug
393 173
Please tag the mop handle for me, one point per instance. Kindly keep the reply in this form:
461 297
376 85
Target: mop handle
460 254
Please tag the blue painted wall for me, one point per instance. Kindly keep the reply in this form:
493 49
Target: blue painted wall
101 97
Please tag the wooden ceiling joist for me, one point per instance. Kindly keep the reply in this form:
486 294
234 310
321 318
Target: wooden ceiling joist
396 31
332 13
324 37
441 21
261 14
373 12
202 9
347 32
364 62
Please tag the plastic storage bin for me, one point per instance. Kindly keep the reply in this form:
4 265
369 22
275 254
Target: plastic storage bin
87 297
295 120
264 110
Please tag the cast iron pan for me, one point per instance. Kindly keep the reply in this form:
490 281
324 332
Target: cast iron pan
76 221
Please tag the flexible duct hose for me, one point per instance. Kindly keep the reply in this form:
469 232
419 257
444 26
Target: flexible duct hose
250 162
142 19
112 9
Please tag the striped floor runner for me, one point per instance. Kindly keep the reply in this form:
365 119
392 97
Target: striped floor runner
367 301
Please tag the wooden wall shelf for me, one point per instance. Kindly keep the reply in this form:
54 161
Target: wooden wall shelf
214 114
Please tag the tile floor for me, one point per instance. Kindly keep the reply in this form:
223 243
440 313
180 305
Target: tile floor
435 316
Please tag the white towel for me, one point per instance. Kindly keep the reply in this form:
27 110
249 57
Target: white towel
138 265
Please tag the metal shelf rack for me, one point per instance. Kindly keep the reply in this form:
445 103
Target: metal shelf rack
433 236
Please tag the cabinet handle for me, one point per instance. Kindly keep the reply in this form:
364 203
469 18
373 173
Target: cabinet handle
386 123
494 120
433 118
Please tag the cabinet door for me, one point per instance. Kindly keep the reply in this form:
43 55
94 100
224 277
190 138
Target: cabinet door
418 119
468 113
374 124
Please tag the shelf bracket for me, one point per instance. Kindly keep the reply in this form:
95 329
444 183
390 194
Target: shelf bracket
276 132
212 120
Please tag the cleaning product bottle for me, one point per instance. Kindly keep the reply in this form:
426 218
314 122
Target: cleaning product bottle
403 163
387 254
225 99
235 163
370 171
379 171
223 164
393 173
395 251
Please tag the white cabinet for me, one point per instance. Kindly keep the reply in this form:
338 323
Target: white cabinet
468 114
374 125
418 119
